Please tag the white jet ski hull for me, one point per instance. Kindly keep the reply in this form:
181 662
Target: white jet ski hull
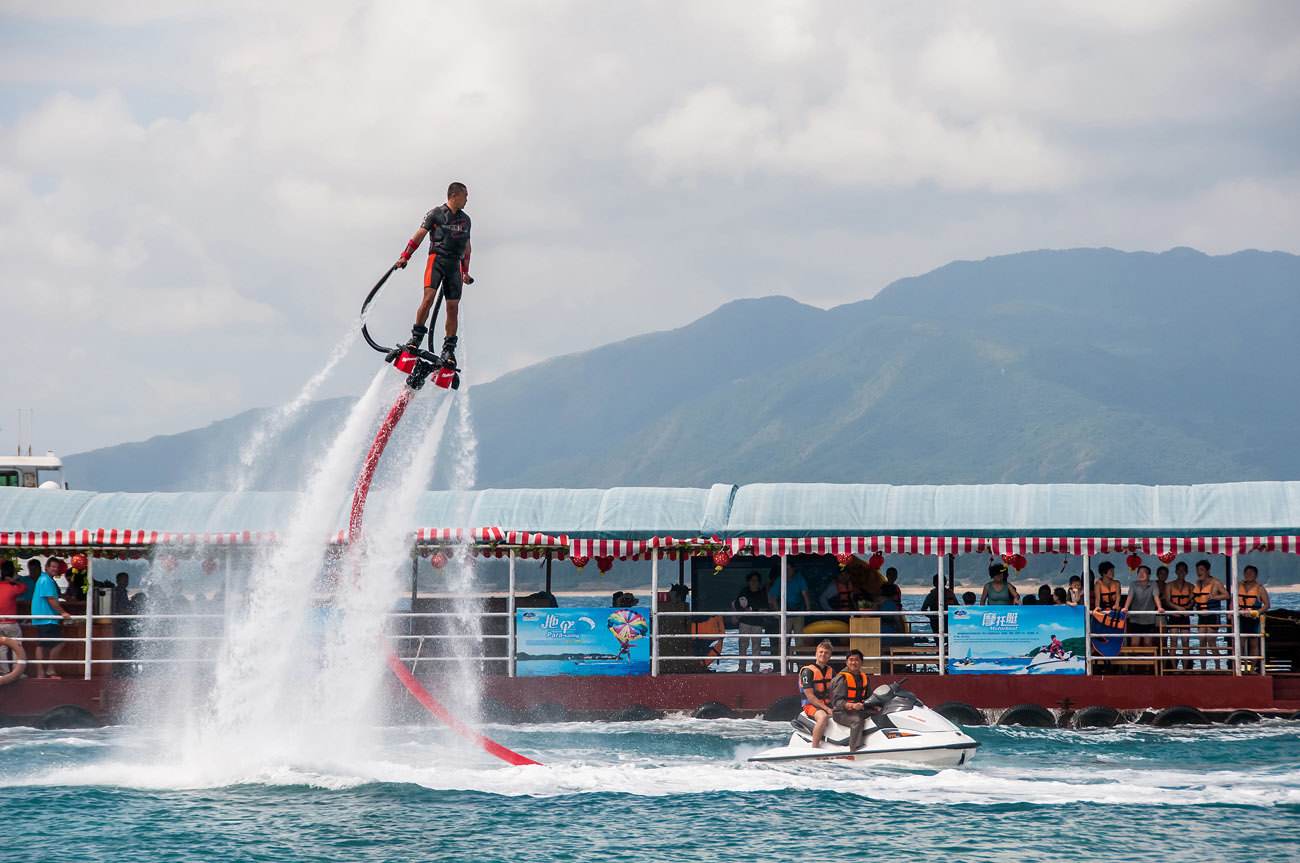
931 754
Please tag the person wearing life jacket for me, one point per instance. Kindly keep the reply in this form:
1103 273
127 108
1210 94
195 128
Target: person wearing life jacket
849 694
815 690
840 594
1252 603
1178 598
1208 594
1106 592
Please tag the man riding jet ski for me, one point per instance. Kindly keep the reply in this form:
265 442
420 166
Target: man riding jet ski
896 727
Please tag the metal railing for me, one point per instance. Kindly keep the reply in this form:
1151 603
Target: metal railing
1175 647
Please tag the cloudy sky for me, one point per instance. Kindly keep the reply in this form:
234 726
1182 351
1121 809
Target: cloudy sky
193 197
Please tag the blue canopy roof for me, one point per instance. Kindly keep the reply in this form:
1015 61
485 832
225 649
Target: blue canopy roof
723 511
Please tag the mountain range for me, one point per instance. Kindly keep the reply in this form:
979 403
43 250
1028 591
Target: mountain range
1080 365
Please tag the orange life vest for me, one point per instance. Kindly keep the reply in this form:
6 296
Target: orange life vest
843 599
1180 596
1201 597
1107 595
1249 601
821 682
855 687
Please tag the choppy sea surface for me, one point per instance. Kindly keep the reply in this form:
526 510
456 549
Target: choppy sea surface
672 789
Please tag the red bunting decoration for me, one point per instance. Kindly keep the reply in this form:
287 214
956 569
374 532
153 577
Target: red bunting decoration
1008 558
580 560
876 561
844 558
79 563
1133 561
1019 562
1168 557
604 564
721 558
437 560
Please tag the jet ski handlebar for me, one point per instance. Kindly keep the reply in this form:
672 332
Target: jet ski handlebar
365 305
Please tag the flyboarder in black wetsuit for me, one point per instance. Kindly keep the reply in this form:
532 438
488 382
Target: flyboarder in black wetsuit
449 250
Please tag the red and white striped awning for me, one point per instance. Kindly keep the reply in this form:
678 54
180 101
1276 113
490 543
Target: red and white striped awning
1013 545
115 537
537 544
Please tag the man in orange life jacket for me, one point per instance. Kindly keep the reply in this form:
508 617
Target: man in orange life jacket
849 694
815 687
449 250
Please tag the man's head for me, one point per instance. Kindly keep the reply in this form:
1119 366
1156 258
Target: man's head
1250 574
1106 568
823 652
997 570
1180 569
754 581
123 579
1076 581
853 662
34 568
8 571
457 196
55 566
1202 569
891 574
1144 573
1162 573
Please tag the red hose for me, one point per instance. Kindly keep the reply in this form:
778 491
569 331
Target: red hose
412 685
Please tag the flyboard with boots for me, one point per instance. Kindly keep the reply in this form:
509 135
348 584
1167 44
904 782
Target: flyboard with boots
412 360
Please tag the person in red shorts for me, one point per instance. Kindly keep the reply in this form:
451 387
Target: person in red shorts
447 227
815 688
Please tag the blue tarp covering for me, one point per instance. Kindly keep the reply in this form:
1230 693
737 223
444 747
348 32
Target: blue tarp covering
724 511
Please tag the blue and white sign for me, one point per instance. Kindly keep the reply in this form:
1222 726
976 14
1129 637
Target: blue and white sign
1016 639
582 641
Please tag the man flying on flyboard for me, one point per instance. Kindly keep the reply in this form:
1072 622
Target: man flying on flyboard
449 249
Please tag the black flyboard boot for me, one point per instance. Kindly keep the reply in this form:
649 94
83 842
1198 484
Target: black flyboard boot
418 332
449 352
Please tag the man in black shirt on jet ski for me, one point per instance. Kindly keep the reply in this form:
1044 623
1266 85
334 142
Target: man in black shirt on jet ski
849 694
449 250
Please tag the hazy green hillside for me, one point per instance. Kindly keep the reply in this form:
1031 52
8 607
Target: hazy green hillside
1087 365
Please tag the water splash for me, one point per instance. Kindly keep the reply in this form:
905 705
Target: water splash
273 425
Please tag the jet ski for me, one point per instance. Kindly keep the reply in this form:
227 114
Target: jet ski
900 730
1045 663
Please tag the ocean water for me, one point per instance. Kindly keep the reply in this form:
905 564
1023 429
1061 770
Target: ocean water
672 789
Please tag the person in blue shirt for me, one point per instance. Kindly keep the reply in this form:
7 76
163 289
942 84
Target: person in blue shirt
48 616
28 581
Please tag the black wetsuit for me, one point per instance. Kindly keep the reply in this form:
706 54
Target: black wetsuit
448 250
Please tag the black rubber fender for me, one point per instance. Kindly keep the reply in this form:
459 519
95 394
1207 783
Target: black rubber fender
1180 715
636 713
961 713
1294 717
784 709
546 711
67 716
1097 716
1028 715
1242 717
713 710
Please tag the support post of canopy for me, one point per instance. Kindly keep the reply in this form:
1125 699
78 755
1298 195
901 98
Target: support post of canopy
942 608
548 571
1087 615
1234 603
785 638
90 609
654 614
510 619
415 585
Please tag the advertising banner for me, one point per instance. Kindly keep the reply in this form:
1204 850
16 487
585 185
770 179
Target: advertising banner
582 641
1016 639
